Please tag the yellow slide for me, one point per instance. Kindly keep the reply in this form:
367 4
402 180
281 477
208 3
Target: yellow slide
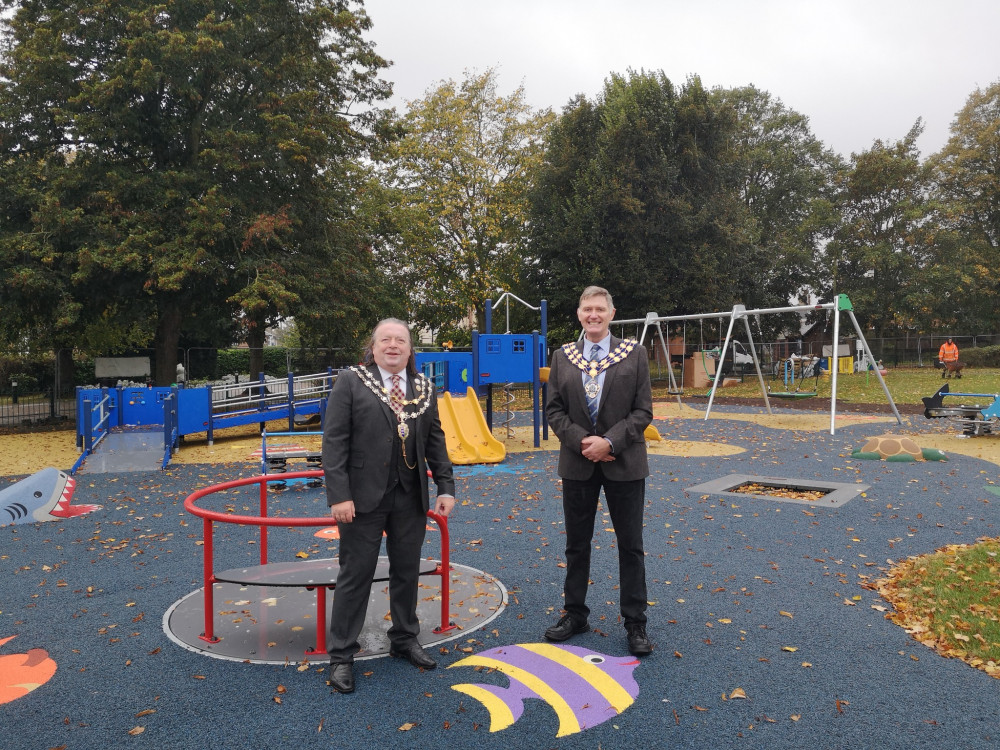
469 439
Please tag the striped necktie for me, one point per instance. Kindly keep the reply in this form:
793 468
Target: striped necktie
593 402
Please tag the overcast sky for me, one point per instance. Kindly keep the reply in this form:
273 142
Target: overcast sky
860 70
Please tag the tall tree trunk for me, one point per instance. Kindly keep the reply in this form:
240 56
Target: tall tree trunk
255 340
65 366
168 336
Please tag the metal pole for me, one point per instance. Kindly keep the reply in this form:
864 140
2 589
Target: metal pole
722 357
836 365
756 364
868 354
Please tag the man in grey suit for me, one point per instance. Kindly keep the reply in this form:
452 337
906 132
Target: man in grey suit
382 433
599 406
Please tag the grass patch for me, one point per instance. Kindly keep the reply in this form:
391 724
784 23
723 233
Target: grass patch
948 601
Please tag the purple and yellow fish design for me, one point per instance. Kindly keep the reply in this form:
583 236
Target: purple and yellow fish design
583 687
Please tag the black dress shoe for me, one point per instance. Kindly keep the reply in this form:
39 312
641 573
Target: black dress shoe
413 653
342 677
566 628
638 642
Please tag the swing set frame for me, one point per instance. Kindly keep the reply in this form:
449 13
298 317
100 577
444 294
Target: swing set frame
652 324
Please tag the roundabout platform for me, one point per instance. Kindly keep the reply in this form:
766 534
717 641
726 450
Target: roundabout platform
276 612
277 624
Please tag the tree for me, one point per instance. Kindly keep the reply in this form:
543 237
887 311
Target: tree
635 195
878 253
164 154
967 215
784 176
459 182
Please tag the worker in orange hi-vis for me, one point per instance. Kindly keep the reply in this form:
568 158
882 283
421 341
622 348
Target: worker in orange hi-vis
948 356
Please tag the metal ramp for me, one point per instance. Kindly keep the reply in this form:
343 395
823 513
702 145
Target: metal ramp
130 449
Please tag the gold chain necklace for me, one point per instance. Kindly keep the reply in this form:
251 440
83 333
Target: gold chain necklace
594 367
422 401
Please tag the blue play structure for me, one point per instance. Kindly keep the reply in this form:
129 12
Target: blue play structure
496 359
178 411
159 418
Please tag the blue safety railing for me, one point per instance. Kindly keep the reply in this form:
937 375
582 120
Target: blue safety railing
97 422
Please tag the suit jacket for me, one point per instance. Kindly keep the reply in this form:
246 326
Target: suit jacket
625 410
358 445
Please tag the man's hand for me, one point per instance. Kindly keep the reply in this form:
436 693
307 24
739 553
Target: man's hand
444 504
596 448
343 512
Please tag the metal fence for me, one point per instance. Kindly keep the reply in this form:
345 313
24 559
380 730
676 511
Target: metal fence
909 351
41 390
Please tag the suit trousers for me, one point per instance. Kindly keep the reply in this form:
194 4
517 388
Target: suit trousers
625 502
401 516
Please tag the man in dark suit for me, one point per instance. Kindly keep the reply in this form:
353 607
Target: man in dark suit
599 406
382 433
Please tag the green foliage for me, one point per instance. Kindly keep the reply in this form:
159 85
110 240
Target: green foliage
878 252
237 362
983 356
459 183
635 196
784 176
966 217
32 373
159 155
456 336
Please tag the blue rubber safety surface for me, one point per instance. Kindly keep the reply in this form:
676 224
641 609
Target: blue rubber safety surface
734 586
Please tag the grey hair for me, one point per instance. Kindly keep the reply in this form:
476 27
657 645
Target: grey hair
368 358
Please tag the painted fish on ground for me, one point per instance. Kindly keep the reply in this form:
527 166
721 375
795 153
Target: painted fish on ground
44 496
22 673
585 688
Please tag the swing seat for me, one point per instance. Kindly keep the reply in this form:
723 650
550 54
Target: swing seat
792 394
673 392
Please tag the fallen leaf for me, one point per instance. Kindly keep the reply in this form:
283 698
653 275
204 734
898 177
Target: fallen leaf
783 613
790 649
407 726
136 731
737 693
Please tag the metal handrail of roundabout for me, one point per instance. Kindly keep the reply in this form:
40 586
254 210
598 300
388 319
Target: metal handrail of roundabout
264 522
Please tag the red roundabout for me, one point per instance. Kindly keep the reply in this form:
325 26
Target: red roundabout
318 574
